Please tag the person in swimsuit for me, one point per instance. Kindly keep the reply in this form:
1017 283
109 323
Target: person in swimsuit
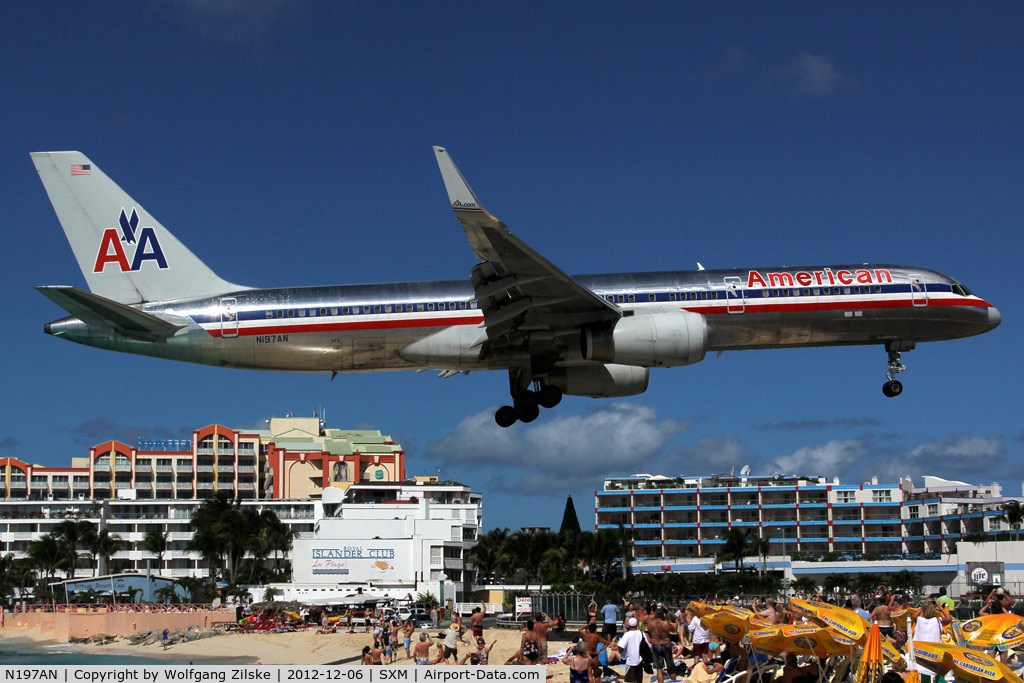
476 620
366 658
530 645
483 650
407 630
579 663
422 650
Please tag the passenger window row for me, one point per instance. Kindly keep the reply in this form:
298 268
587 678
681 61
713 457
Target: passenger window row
373 309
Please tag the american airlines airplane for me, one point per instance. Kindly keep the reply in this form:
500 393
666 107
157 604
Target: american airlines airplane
555 334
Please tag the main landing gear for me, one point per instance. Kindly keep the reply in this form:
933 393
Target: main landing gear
526 404
893 387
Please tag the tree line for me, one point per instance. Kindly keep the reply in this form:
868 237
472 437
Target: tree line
238 544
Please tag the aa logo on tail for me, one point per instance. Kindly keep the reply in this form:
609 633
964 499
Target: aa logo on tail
147 246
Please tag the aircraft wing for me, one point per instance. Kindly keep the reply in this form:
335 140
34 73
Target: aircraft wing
519 290
97 310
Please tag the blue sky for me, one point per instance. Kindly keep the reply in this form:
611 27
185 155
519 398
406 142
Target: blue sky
289 143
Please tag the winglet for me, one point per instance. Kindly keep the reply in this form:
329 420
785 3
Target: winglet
464 201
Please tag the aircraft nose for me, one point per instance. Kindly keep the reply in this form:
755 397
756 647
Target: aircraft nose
994 318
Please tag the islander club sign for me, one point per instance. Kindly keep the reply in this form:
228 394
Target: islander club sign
342 560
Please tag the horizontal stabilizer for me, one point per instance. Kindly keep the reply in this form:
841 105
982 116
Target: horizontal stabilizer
97 310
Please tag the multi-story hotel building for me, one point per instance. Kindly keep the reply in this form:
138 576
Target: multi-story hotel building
286 467
687 517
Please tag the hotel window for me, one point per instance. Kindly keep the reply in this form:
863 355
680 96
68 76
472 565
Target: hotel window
933 509
914 512
881 496
436 556
846 496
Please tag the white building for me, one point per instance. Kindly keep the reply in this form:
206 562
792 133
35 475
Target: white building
393 538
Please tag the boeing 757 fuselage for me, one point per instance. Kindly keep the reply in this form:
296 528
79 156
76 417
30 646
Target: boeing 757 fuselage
555 334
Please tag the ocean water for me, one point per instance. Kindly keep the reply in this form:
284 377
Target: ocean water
14 651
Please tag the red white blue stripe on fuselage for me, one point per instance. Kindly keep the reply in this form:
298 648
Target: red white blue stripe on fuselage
397 315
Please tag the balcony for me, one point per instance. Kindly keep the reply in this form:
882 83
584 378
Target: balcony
123 485
204 450
164 485
181 466
183 485
164 468
245 486
204 468
225 469
204 485
123 468
246 469
143 469
179 536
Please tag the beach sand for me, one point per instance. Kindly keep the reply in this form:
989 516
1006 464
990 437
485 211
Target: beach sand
308 647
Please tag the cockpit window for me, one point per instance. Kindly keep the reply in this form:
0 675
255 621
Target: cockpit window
960 289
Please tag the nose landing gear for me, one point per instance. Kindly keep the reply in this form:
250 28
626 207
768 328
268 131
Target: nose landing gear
893 387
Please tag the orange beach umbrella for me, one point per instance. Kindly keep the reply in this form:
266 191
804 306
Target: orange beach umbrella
870 668
967 665
992 630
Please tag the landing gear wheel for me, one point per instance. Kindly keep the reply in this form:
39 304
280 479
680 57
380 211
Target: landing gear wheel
506 416
892 388
529 413
550 396
526 400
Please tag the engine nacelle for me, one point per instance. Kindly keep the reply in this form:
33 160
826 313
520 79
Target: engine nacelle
600 381
655 340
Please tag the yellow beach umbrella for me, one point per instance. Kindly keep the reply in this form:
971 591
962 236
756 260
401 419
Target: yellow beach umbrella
801 640
702 609
870 667
992 630
733 623
845 622
967 665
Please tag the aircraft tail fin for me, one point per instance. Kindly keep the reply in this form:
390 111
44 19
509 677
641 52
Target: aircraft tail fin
125 254
97 310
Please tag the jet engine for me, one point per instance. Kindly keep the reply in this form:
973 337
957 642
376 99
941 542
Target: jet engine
655 340
600 381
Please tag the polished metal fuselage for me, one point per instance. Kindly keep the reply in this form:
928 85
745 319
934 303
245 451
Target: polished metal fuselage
361 328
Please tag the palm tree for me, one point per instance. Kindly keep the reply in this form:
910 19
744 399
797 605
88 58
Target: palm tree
103 545
761 547
48 554
735 547
835 583
155 543
1013 515
74 534
905 580
805 584
486 554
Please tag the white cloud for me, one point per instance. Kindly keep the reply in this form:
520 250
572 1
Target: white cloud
834 457
617 437
807 76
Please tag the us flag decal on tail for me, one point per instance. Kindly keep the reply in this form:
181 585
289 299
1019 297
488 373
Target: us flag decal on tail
81 169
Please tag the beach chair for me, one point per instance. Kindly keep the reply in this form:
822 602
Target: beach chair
727 670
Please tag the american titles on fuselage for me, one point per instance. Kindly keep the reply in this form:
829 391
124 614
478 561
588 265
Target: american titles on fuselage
825 276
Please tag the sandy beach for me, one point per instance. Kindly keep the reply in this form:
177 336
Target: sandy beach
305 647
